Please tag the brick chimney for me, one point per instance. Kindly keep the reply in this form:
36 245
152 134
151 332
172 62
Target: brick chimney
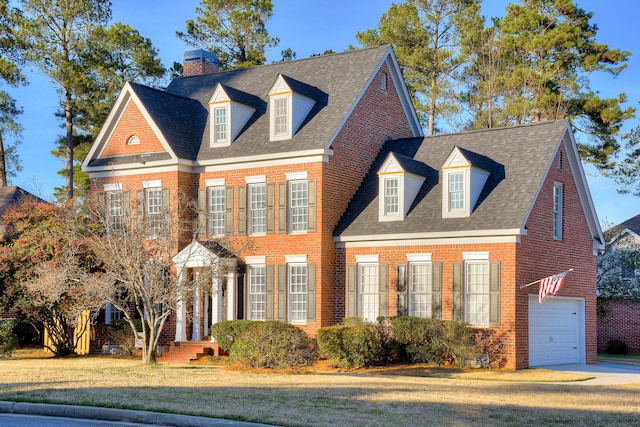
199 62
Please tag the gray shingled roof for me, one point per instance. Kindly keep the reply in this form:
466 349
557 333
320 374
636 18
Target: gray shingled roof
335 81
517 157
632 224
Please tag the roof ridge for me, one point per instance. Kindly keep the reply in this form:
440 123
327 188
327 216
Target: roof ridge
501 128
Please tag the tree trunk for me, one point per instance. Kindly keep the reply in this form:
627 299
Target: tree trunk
3 163
69 140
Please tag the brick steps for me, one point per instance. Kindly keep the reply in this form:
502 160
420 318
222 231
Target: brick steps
186 351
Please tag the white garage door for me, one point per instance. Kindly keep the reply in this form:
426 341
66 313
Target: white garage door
556 331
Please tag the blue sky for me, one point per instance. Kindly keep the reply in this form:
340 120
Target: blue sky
309 27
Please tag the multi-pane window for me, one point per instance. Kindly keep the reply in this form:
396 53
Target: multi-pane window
220 115
154 212
257 284
111 313
281 116
217 209
257 208
456 191
557 211
298 202
369 292
298 293
391 196
421 290
477 293
115 211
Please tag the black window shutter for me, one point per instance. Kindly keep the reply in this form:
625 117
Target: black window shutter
494 294
311 293
282 293
458 295
401 289
352 302
383 290
269 302
436 290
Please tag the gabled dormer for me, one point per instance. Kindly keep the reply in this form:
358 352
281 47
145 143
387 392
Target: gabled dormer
399 181
463 179
229 112
290 101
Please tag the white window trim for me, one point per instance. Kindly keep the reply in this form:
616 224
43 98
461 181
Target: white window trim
216 182
251 265
226 140
382 208
557 232
272 108
291 264
290 207
112 187
250 212
367 259
257 179
447 212
133 140
420 259
475 256
360 284
152 184
425 257
476 261
296 176
251 260
210 231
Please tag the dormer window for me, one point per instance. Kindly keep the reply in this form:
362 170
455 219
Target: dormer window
281 116
391 196
229 111
290 102
399 181
456 192
220 125
463 178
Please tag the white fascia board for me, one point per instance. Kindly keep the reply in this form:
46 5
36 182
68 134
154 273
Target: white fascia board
141 170
403 94
266 160
433 235
429 242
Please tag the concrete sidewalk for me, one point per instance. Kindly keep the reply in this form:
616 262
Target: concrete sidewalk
118 415
604 373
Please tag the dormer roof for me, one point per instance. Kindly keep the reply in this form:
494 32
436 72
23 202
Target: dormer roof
518 159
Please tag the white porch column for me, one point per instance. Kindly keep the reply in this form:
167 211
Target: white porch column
231 294
197 315
181 311
205 332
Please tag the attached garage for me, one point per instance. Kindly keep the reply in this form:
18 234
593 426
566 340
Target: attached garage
556 331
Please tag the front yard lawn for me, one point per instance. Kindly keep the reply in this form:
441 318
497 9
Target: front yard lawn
323 396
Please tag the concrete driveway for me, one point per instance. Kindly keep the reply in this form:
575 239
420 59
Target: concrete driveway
604 373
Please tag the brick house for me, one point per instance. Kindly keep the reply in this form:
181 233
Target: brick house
619 317
291 157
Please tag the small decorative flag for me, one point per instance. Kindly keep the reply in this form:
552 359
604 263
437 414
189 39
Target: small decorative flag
551 285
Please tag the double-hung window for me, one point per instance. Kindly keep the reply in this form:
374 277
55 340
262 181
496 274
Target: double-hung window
115 211
298 205
220 124
420 282
456 191
257 208
298 285
477 292
257 289
154 214
369 281
557 211
217 210
391 196
281 116
111 313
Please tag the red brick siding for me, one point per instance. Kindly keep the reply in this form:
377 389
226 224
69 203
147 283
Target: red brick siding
539 256
448 254
619 320
132 123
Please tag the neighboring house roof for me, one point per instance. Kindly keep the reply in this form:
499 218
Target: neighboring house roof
518 159
632 225
12 194
336 82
